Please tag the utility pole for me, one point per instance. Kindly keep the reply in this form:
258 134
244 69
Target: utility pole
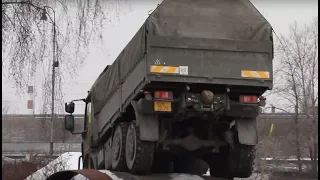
53 91
55 64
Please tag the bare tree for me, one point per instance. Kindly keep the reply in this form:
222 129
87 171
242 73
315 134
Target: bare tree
297 71
26 40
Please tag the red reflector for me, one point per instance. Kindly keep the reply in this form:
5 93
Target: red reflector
248 99
146 92
163 95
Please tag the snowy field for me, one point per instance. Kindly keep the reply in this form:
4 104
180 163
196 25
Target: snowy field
69 161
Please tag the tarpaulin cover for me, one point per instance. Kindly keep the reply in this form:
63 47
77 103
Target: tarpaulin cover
109 81
209 19
214 19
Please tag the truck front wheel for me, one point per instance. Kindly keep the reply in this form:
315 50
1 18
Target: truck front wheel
139 154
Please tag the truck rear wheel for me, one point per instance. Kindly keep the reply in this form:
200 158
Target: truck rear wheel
118 147
233 162
241 160
139 154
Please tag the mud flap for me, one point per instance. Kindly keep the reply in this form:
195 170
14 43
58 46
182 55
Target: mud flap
247 131
148 124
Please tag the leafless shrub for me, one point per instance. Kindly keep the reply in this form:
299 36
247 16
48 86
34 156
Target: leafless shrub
47 166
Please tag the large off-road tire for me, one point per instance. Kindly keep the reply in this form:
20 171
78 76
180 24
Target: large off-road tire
190 165
139 154
241 160
233 162
118 157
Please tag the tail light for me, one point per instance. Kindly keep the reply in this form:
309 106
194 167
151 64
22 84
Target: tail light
163 95
248 99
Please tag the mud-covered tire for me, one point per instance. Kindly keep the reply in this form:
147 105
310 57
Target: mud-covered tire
241 160
139 154
118 157
234 162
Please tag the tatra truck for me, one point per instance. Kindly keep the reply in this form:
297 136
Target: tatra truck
183 95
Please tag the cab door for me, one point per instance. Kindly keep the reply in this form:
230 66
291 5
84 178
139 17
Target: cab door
86 143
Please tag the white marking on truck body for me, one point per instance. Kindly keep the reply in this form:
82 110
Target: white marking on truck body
183 70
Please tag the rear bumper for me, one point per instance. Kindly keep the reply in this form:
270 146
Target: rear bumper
236 109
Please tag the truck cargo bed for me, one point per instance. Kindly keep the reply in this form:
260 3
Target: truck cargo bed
226 42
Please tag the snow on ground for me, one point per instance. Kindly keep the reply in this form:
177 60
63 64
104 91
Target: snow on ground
185 177
113 176
254 176
8 160
69 161
176 176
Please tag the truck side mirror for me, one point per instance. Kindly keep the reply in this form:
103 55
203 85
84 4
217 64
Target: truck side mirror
69 108
69 122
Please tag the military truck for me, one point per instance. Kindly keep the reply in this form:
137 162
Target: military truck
184 94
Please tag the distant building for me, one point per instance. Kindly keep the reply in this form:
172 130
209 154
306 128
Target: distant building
36 128
29 128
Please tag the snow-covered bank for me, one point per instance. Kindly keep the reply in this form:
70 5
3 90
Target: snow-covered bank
69 161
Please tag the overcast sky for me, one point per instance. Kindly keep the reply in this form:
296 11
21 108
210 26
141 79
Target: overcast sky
280 13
